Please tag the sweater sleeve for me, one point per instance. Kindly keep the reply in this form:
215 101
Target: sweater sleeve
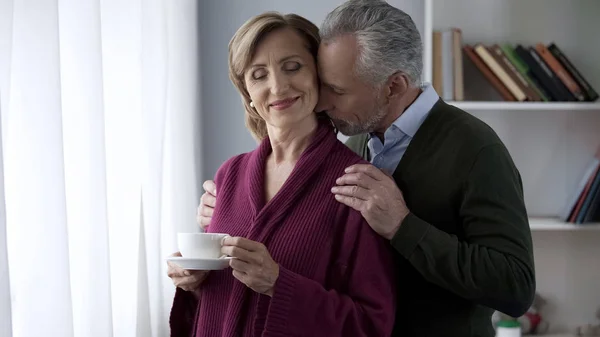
363 304
183 313
493 265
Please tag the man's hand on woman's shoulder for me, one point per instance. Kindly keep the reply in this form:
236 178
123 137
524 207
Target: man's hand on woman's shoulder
375 195
363 187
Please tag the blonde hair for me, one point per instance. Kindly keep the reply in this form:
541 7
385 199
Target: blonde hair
242 48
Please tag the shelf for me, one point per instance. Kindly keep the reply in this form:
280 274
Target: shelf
558 106
553 224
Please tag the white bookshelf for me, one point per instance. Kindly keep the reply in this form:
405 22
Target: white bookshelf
550 142
521 106
555 224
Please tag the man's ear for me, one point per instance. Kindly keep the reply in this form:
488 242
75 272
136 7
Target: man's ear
397 85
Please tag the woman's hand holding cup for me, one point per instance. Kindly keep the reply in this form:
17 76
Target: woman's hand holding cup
188 280
194 246
252 264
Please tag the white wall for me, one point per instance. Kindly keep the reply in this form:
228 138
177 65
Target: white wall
224 132
568 277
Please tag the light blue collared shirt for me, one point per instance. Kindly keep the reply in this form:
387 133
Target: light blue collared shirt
397 137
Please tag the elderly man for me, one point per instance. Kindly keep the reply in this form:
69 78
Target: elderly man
442 187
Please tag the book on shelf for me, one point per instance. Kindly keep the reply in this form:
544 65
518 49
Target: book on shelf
511 70
447 64
584 204
499 71
516 72
560 72
523 69
589 92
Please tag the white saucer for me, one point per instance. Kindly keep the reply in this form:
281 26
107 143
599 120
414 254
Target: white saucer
200 264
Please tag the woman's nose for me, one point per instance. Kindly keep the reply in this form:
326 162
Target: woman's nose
279 84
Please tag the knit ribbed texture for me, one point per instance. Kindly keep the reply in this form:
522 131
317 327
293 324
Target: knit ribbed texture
319 244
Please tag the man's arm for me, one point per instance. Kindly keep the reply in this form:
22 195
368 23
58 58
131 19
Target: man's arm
494 265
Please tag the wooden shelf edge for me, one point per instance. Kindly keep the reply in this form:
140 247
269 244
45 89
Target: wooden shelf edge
555 224
500 105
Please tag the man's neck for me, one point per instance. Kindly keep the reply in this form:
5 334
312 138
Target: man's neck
396 109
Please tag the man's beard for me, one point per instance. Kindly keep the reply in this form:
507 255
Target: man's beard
370 125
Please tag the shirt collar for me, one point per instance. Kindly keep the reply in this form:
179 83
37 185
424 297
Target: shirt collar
412 118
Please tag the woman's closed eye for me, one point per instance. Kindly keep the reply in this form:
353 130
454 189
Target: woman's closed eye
259 74
292 66
262 73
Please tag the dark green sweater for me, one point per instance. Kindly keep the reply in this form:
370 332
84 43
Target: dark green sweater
466 246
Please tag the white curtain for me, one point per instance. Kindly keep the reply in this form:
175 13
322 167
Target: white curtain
100 112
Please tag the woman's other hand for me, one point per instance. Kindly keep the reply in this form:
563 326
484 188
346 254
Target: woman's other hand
208 201
252 264
188 280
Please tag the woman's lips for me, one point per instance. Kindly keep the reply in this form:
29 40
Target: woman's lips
284 103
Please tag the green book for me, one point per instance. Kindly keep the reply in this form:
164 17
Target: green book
522 68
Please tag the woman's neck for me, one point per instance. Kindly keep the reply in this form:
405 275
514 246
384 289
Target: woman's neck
289 143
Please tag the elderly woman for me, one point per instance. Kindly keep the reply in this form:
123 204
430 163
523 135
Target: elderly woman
304 264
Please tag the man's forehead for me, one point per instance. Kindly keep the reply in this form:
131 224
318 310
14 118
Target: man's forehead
336 59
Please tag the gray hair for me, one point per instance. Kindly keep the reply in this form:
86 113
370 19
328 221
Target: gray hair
387 38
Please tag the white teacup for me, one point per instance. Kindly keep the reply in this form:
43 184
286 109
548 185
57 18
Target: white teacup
200 245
